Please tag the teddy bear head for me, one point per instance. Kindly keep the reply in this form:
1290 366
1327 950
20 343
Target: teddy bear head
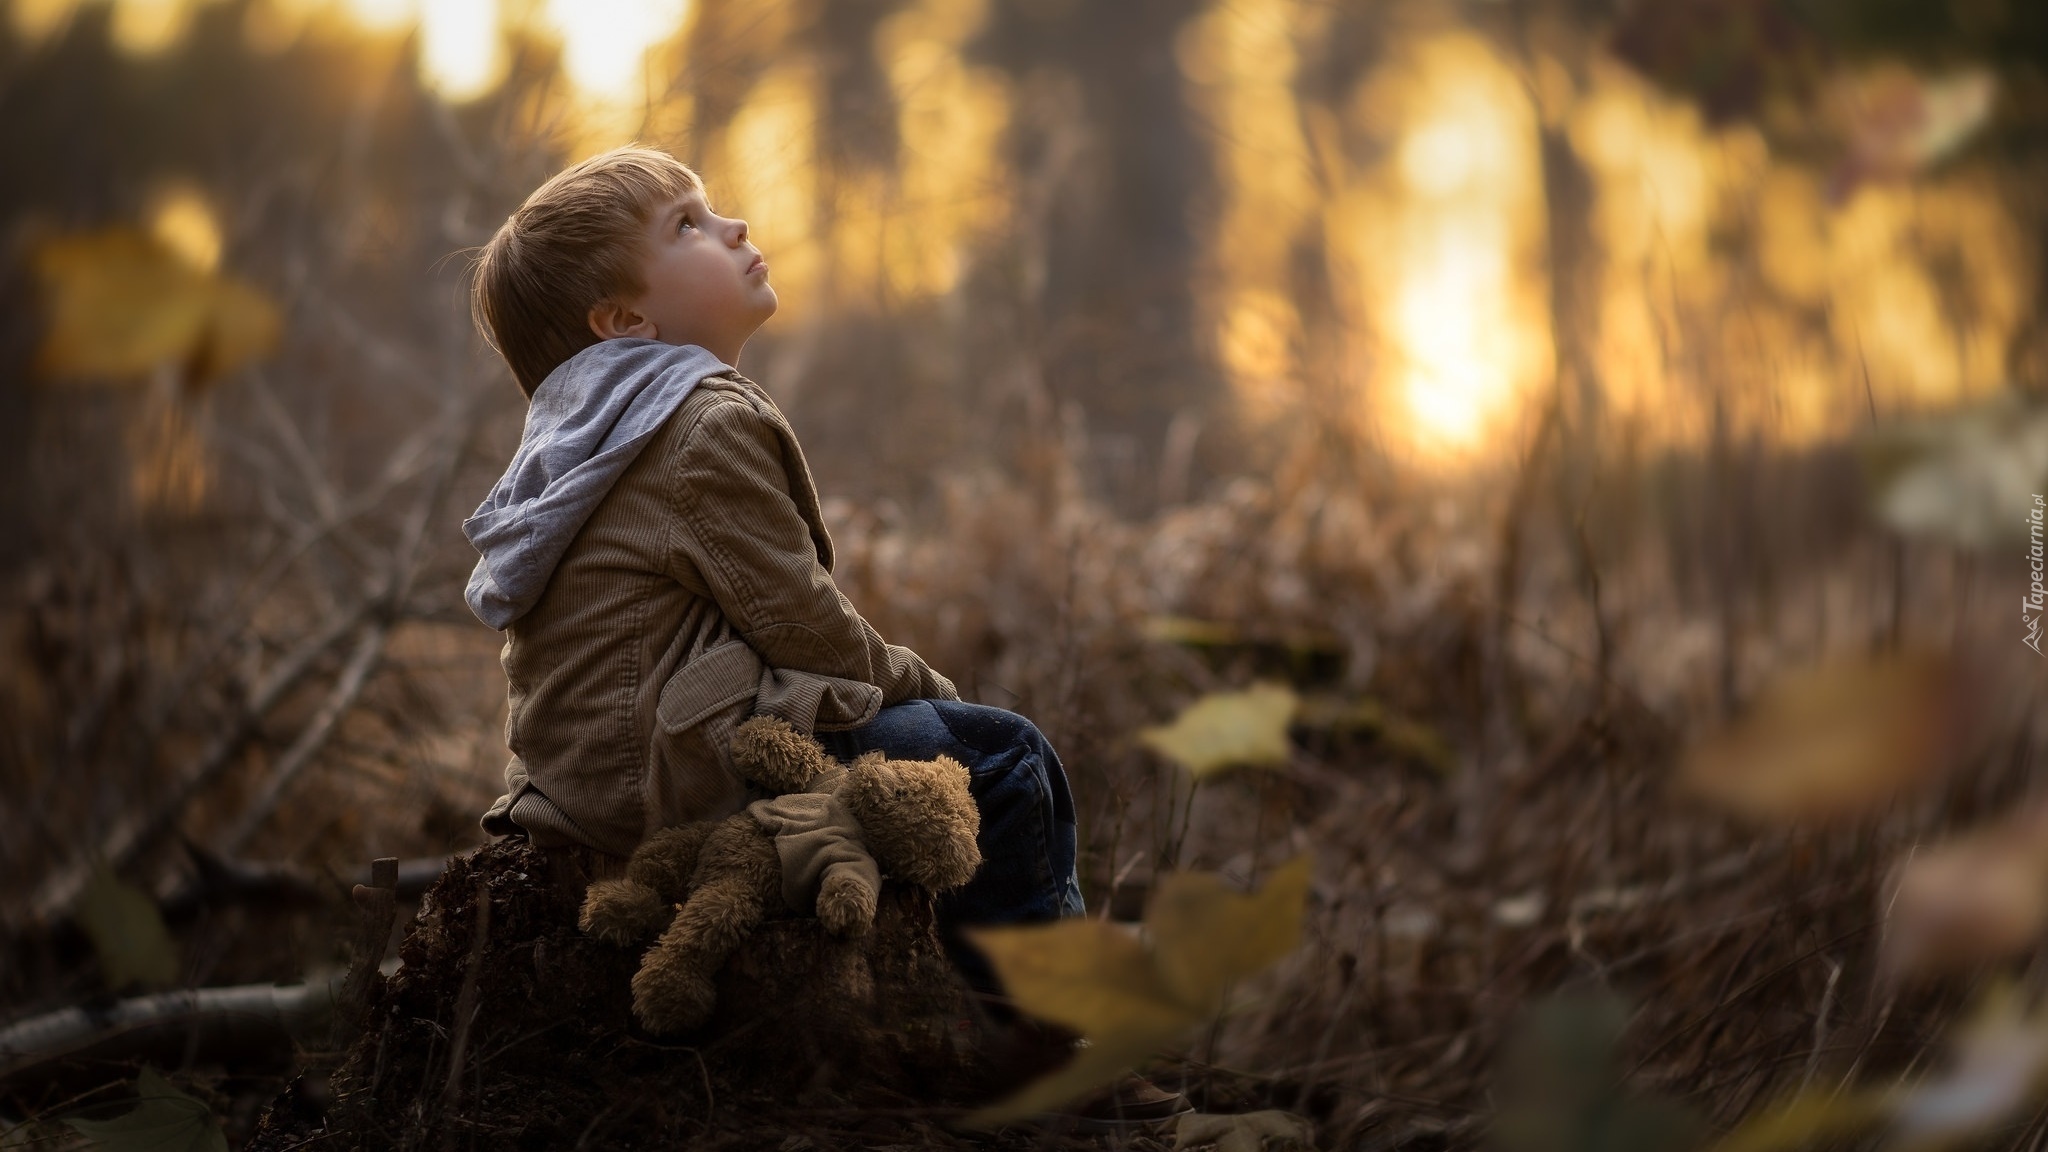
917 817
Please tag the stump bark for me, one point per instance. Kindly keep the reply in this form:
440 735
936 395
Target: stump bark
506 1024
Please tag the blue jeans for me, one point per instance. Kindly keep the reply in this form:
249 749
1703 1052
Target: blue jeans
1027 813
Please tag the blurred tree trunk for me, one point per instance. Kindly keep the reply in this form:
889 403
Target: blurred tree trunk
1117 301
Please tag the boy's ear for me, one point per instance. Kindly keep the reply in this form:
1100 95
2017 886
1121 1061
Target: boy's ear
610 320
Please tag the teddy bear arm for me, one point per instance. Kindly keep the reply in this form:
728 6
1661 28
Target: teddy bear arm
847 895
621 911
767 751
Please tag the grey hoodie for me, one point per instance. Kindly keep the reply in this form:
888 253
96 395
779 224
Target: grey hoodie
587 422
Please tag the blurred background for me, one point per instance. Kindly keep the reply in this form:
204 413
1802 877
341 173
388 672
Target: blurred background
1620 427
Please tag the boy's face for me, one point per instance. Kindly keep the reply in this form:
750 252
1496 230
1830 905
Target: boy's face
705 284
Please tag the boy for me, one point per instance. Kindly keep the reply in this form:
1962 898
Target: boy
656 557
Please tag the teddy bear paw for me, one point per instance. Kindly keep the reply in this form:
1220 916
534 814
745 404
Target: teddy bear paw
769 752
622 911
846 907
669 1000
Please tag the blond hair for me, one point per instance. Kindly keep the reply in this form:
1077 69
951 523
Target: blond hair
574 244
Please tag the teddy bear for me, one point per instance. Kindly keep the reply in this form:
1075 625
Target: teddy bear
820 846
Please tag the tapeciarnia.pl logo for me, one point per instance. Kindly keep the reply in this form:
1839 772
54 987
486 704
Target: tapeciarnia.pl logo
2037 596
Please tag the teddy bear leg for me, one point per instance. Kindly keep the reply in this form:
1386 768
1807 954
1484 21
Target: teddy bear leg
621 911
737 879
665 860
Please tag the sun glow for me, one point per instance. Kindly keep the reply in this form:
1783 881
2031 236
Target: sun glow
605 42
1460 318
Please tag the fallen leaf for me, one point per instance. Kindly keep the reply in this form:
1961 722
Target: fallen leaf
1982 896
165 1120
1189 631
1816 1119
1127 996
1243 1132
122 304
1205 936
128 934
1838 740
1225 730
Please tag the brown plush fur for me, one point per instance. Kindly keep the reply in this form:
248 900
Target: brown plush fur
657 878
845 906
718 881
769 752
918 818
738 877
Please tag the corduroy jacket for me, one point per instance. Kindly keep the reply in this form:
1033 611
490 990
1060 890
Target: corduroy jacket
698 593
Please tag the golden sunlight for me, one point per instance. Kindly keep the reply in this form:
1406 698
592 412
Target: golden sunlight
771 178
147 26
952 182
1240 63
605 42
184 223
460 51
1463 324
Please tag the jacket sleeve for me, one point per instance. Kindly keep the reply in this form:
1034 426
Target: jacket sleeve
739 528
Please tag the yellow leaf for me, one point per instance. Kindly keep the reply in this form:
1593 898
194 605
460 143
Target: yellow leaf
1204 936
1088 975
1228 730
1188 631
1833 741
1127 999
1099 1062
128 933
1814 1120
123 304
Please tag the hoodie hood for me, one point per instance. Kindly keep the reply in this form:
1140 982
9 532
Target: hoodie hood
587 423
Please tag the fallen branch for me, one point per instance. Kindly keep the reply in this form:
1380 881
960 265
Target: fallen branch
218 881
194 1019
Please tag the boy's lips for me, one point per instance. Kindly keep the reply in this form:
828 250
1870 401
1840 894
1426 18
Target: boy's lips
759 265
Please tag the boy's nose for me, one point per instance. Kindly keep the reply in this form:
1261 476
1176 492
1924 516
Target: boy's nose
739 228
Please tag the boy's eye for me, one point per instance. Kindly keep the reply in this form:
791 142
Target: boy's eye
685 222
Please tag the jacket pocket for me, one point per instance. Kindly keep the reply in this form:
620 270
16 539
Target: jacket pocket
715 680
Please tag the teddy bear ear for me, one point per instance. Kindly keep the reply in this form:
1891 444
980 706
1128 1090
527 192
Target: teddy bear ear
767 751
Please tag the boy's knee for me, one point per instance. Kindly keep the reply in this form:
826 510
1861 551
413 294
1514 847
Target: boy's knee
989 730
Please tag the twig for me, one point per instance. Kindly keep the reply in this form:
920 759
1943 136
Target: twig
135 833
354 677
369 650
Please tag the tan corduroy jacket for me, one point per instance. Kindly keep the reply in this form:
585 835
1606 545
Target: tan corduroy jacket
698 593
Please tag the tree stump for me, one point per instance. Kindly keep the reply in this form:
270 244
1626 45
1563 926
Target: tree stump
505 1024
